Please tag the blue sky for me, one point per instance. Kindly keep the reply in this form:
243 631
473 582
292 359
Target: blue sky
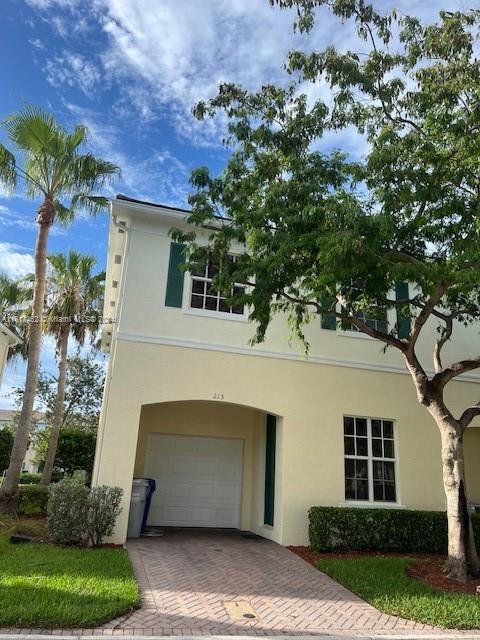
131 70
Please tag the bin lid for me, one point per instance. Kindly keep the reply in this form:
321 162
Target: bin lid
140 482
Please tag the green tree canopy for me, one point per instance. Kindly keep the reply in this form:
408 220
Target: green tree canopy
6 442
83 397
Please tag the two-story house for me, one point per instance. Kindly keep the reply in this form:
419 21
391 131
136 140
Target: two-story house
250 437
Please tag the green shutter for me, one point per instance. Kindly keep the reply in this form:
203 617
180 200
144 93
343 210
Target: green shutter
403 319
174 294
270 446
329 320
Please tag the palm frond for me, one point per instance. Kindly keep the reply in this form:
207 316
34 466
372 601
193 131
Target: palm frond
50 161
78 136
65 215
8 173
93 173
93 205
33 130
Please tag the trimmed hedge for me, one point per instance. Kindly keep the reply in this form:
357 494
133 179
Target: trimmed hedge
30 478
32 500
359 529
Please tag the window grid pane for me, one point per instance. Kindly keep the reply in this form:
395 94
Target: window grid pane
380 323
204 296
369 450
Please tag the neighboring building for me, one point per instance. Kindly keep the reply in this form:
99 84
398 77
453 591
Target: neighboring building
7 340
6 419
251 437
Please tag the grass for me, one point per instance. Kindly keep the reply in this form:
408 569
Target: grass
384 583
43 585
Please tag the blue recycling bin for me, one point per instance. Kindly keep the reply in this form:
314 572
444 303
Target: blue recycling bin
148 501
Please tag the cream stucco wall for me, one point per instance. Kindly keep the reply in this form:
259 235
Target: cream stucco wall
138 302
310 400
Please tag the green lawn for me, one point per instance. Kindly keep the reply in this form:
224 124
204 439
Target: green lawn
383 582
46 586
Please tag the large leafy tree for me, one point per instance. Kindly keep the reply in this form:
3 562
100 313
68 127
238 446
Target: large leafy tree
74 302
76 451
324 235
48 162
83 399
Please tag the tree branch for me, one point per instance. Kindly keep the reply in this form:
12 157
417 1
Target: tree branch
441 378
445 337
357 322
373 333
419 375
399 119
426 312
469 414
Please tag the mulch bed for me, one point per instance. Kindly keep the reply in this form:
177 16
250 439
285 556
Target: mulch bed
428 568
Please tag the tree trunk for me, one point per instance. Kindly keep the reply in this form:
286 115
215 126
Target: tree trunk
462 555
9 488
59 405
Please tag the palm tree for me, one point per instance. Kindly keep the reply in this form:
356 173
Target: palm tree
74 299
48 161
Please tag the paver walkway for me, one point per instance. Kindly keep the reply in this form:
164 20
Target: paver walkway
197 582
203 582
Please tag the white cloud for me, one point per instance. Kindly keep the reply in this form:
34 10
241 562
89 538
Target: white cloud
177 53
47 4
15 260
9 218
157 175
74 70
37 43
167 55
12 379
183 51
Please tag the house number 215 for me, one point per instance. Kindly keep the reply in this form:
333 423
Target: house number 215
218 396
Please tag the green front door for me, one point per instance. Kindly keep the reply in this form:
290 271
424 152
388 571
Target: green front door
270 445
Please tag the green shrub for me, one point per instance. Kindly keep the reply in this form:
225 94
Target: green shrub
30 478
358 529
32 500
66 511
103 510
77 514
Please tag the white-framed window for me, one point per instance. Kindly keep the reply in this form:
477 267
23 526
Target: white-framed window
369 445
378 322
204 297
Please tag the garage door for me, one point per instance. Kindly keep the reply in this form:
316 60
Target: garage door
199 480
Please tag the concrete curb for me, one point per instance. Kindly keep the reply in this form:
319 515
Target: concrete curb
447 635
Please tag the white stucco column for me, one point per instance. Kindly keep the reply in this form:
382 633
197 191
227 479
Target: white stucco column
115 453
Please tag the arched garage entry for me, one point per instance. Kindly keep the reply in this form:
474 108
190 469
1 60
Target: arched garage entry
215 464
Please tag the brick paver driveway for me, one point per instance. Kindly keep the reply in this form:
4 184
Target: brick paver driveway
197 582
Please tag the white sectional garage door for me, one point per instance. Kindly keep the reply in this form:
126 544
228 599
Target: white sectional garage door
199 480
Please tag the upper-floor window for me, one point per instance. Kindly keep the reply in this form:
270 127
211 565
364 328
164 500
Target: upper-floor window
369 459
204 296
376 321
